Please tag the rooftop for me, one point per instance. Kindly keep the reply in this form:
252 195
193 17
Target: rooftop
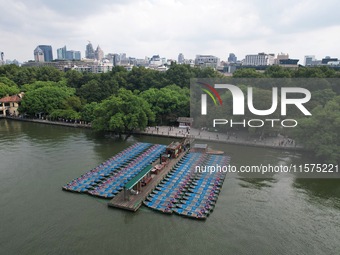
10 99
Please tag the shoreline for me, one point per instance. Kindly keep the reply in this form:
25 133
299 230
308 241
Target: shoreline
179 133
49 122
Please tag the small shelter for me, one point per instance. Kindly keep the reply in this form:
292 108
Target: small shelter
134 186
185 122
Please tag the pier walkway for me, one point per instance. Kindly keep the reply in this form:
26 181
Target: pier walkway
136 201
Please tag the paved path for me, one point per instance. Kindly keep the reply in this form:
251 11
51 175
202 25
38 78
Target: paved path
241 138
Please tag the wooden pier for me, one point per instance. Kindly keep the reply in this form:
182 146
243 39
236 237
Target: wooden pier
136 200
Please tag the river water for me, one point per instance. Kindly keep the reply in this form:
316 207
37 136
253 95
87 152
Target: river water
277 215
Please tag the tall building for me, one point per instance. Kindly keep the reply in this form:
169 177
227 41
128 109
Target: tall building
38 55
99 53
73 55
2 58
122 56
116 59
155 61
180 58
89 52
64 54
232 58
280 57
207 61
309 59
48 54
77 55
260 59
61 53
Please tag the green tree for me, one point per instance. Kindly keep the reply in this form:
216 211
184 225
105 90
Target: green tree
94 91
8 90
122 113
320 132
88 112
44 100
168 103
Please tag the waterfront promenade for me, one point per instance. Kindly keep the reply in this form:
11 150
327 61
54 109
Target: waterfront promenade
238 138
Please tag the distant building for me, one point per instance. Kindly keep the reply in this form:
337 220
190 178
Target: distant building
309 59
279 57
11 62
73 55
142 62
38 55
116 59
99 53
181 58
261 59
64 54
89 52
48 54
2 58
289 63
232 58
155 61
207 61
122 56
61 53
327 60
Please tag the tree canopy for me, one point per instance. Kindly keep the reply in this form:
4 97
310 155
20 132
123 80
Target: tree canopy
122 113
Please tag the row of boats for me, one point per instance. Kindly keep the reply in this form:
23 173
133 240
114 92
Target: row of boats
107 179
187 192
183 191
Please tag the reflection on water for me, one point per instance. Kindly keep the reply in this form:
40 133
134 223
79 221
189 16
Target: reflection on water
324 191
276 215
256 183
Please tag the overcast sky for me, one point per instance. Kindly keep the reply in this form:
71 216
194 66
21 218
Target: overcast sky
167 27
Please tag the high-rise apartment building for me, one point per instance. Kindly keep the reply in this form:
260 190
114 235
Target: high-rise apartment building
61 53
38 55
89 52
99 53
2 58
48 54
73 55
232 58
180 58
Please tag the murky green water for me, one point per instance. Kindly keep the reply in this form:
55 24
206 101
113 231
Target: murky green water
280 215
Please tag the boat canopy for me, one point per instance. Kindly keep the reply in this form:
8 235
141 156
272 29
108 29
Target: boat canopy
129 185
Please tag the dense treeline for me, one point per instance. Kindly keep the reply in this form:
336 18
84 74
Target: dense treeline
77 96
121 101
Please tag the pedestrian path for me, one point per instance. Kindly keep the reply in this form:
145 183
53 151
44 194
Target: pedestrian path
240 138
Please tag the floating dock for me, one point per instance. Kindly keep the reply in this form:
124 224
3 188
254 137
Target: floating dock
136 200
164 178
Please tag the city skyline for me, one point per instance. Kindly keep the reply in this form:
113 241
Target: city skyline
147 28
